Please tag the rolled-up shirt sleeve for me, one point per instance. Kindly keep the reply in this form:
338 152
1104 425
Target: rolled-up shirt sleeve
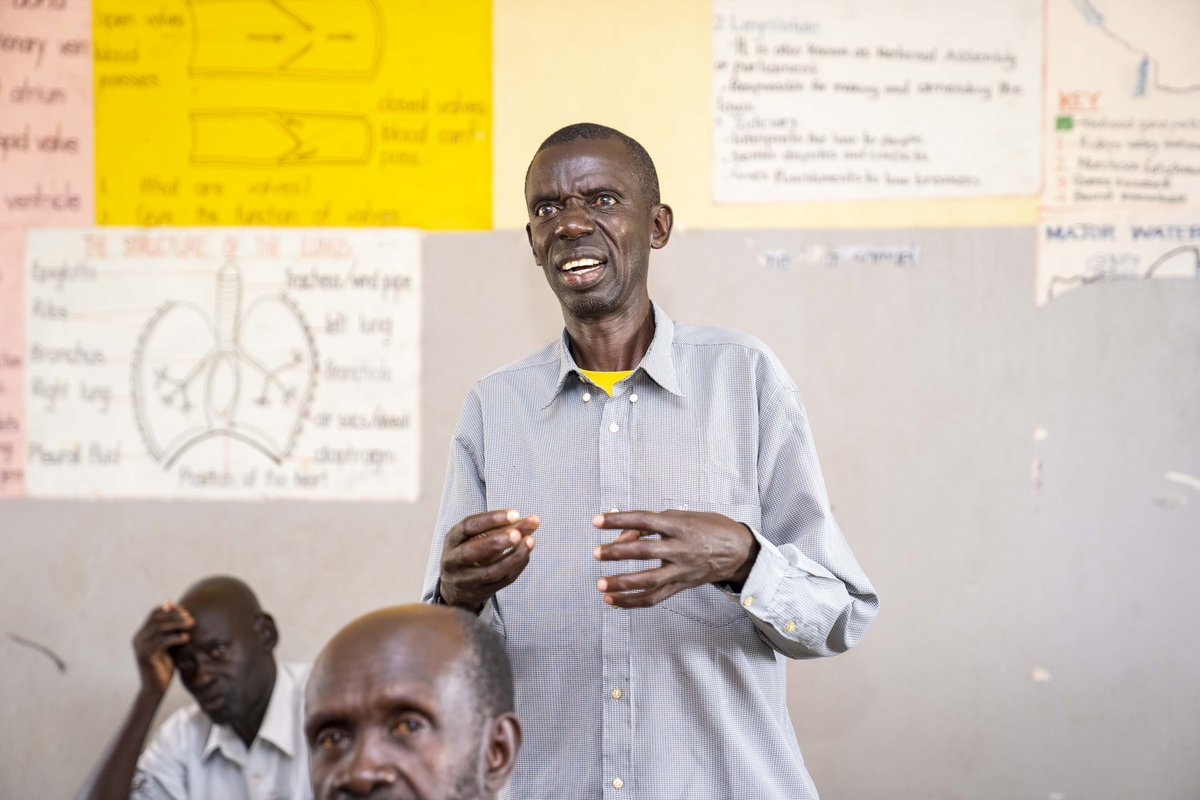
806 593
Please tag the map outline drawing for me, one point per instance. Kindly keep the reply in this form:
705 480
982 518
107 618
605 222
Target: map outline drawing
1148 65
1058 285
171 421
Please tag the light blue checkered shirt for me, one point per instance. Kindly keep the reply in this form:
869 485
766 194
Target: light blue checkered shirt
685 699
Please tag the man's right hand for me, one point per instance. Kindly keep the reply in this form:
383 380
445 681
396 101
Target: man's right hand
483 554
167 626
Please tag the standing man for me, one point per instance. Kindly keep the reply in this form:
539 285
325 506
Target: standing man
685 542
243 738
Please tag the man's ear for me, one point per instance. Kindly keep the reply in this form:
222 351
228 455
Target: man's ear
500 751
529 236
664 219
268 634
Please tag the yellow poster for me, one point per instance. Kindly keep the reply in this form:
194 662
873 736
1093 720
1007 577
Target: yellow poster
293 112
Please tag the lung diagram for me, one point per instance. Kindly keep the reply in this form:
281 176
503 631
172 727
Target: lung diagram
245 374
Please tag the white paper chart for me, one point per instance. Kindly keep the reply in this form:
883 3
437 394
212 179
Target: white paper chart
868 99
222 363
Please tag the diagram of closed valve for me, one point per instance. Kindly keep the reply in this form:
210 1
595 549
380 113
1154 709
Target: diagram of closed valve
268 137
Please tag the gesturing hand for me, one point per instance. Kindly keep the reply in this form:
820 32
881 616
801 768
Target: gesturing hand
695 548
167 626
483 554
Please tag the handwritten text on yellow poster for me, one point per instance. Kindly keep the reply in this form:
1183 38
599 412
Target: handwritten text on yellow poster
293 112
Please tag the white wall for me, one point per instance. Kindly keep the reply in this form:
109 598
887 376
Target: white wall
924 386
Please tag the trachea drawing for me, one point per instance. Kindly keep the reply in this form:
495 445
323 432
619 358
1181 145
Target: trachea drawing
247 376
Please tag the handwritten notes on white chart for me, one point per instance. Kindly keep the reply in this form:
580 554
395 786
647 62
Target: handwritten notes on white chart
867 99
222 363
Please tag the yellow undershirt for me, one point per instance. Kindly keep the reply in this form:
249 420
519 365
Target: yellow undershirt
606 380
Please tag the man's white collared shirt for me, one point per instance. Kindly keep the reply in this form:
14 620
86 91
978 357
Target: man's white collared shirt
190 758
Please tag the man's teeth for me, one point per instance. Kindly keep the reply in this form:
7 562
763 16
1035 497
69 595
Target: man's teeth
580 263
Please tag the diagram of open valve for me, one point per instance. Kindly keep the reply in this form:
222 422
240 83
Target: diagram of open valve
247 376
286 38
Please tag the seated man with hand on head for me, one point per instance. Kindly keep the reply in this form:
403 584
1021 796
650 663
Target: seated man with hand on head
412 702
242 738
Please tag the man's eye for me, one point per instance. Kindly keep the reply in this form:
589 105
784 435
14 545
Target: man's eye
218 652
544 210
331 739
605 200
409 725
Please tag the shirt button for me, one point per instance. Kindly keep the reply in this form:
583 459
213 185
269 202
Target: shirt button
616 694
791 626
587 396
633 398
748 601
614 428
617 783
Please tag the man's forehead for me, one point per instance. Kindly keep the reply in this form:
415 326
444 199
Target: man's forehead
392 668
337 691
606 159
416 645
211 631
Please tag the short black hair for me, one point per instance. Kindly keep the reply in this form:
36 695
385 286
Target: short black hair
486 666
644 165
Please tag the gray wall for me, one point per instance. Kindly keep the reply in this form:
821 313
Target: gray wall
1033 642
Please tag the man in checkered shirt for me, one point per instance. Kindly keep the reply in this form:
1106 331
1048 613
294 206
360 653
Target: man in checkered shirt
684 541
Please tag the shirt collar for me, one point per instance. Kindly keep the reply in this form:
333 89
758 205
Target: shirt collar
278 725
658 362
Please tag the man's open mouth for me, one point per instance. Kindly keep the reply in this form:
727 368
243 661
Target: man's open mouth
581 266
211 700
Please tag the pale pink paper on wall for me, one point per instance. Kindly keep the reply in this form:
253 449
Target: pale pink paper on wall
46 168
46 154
12 349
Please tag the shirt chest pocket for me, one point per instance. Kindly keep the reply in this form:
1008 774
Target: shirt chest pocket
283 793
707 604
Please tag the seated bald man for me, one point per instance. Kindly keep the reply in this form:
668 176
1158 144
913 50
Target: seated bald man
412 702
242 738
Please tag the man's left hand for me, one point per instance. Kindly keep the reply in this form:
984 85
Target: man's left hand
695 548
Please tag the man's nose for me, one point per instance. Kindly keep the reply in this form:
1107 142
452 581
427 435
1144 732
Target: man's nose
573 222
201 674
369 769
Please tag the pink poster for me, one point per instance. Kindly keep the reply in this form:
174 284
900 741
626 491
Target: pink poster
46 167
